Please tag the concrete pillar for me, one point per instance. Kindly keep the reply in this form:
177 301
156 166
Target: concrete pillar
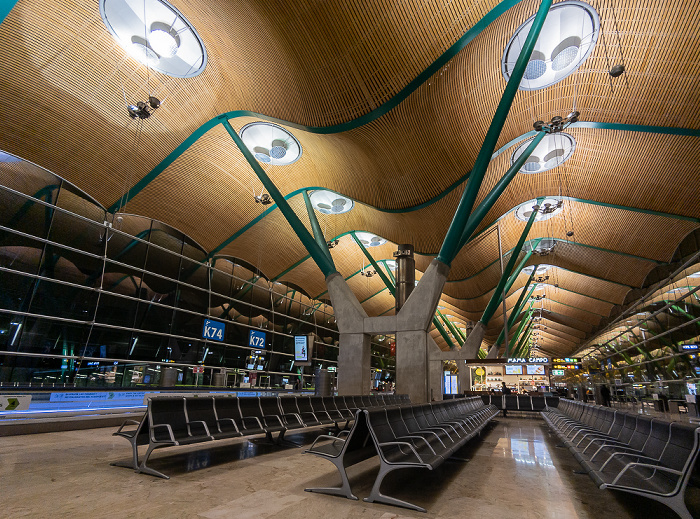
435 380
465 376
412 365
405 274
354 364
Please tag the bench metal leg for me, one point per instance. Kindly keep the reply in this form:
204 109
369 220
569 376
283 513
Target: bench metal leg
281 440
134 461
148 470
343 490
377 496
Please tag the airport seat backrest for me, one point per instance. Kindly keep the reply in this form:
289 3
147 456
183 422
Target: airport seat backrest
202 409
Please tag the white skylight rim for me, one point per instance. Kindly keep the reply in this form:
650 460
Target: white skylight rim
568 37
541 269
552 151
157 35
391 264
524 211
546 245
369 239
328 202
270 143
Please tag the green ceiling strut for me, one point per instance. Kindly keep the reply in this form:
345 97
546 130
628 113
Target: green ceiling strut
388 283
5 8
523 321
496 297
522 345
442 331
452 328
487 203
318 234
519 268
453 237
516 312
318 254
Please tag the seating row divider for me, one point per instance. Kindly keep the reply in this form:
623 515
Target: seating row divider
186 420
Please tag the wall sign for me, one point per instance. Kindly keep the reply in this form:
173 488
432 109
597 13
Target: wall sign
213 330
531 360
256 339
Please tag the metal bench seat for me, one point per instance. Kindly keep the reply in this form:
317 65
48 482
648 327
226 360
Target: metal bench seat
203 410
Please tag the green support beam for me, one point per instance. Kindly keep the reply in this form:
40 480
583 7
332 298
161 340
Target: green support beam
380 272
522 324
516 312
521 265
496 298
452 328
318 254
450 245
487 203
520 350
316 228
442 331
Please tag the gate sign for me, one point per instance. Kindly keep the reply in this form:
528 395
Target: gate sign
256 339
213 330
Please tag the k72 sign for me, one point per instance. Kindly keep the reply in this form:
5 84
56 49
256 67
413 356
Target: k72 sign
213 330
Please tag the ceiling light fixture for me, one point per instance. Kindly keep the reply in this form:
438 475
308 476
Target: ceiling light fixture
156 34
567 38
328 202
270 143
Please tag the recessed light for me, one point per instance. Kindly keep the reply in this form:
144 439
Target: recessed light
156 34
328 202
567 38
270 143
370 240
553 150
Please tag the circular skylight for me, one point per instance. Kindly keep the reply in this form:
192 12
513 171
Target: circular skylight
391 264
271 144
541 269
545 246
370 240
328 202
554 149
548 208
567 38
155 34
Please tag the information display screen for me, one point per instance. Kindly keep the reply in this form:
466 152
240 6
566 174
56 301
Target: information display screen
534 369
301 348
558 372
514 370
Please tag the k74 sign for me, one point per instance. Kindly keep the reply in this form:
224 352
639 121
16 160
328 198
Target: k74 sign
213 330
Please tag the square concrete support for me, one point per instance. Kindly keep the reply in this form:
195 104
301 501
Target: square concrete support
354 364
412 365
465 376
435 380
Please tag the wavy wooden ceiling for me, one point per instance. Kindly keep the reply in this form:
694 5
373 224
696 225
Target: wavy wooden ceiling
328 63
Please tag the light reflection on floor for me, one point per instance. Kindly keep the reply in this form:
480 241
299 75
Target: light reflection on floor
524 447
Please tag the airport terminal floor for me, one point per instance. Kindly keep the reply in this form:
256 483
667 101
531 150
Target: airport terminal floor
515 470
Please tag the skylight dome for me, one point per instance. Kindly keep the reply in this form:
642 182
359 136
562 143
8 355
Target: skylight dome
567 38
391 264
270 143
545 246
156 34
328 202
370 240
541 269
547 209
554 149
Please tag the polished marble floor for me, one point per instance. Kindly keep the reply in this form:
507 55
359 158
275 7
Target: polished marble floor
515 471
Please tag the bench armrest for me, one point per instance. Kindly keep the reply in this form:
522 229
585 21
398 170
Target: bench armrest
630 454
275 416
417 438
199 423
167 428
647 465
296 417
230 421
254 418
400 444
126 422
325 437
619 447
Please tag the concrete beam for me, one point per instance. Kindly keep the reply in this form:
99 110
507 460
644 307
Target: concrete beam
473 342
418 311
349 313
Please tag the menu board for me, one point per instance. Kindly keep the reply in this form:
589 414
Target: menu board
534 369
515 370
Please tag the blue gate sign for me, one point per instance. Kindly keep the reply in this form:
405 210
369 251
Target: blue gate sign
256 339
213 330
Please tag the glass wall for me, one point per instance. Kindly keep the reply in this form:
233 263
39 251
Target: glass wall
91 299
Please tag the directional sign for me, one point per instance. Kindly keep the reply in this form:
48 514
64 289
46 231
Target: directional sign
15 402
256 339
213 330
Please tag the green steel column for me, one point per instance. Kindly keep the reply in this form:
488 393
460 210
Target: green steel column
452 328
375 265
516 312
521 265
450 245
317 253
442 331
318 234
523 321
496 298
487 203
520 350
391 274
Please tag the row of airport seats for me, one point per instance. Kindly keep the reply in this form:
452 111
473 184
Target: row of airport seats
629 452
521 402
403 436
185 420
